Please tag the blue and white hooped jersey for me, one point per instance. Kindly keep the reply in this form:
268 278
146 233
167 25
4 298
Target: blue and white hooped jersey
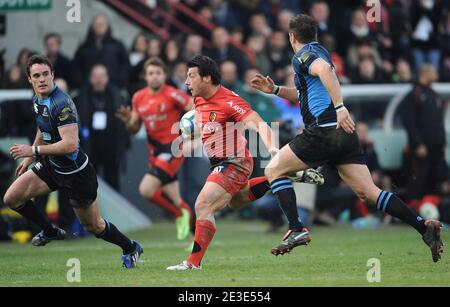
53 112
315 101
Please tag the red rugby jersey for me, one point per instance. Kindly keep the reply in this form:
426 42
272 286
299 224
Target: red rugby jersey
159 112
217 118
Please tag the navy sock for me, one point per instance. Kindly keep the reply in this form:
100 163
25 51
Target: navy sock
391 204
112 235
32 213
283 190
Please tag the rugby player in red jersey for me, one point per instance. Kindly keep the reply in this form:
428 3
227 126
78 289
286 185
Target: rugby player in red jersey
159 107
222 116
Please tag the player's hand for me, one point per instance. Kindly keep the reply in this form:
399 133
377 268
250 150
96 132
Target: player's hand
345 121
263 84
124 114
23 166
21 151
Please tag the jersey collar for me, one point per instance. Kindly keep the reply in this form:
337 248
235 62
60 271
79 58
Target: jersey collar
305 46
42 101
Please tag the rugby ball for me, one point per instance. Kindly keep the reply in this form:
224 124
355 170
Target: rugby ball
187 123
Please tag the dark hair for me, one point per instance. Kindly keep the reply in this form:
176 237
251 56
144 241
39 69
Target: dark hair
155 61
206 67
304 28
38 59
53 35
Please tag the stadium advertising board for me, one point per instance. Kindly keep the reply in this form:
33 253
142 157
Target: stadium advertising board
20 5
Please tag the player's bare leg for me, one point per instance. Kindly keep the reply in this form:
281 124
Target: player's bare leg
151 189
211 199
148 186
277 172
19 198
26 187
92 221
184 223
241 199
358 178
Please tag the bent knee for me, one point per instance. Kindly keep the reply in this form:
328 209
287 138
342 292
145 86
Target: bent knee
203 208
11 201
271 173
146 192
367 197
95 228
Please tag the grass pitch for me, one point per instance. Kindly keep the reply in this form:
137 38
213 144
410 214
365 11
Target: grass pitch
239 256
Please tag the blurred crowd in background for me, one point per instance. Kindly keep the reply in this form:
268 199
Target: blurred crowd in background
104 73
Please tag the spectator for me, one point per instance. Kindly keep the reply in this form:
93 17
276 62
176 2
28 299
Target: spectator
289 5
279 55
62 66
172 52
223 15
229 73
425 17
358 31
224 51
284 19
422 111
360 50
21 61
192 47
367 73
237 34
402 72
359 27
194 5
178 76
321 13
105 138
257 43
258 25
154 48
101 48
139 49
14 78
206 14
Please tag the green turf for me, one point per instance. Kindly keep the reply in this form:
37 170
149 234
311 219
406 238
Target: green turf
239 256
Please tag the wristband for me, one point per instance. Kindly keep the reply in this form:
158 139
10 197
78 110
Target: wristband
36 150
340 109
339 106
276 90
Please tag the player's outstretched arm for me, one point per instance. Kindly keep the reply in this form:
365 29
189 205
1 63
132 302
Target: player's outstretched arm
268 86
130 118
320 68
255 122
